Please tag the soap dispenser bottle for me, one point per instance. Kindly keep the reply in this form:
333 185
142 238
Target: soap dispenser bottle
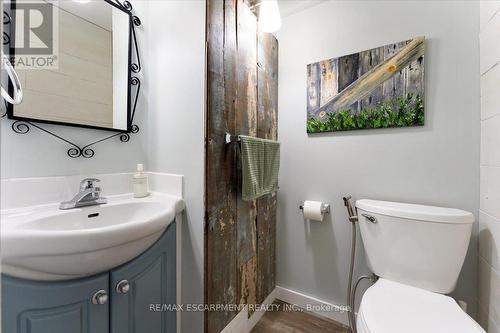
140 183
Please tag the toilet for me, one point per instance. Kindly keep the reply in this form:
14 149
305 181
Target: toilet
417 251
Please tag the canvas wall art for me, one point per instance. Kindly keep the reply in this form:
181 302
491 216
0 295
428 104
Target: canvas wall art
378 88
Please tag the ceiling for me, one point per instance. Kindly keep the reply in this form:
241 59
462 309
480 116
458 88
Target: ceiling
99 12
289 7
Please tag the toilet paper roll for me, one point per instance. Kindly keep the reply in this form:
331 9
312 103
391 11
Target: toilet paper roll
312 210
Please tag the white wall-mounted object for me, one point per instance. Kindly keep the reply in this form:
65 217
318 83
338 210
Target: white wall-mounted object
44 243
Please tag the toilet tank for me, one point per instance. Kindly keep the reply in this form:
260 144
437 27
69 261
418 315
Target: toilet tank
421 246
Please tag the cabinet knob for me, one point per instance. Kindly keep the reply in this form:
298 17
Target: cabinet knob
123 287
100 297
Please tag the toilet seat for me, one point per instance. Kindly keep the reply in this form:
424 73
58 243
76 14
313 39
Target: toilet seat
392 307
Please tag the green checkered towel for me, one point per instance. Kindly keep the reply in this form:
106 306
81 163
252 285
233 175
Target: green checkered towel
260 160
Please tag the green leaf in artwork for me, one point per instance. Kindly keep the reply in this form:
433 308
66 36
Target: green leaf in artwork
398 112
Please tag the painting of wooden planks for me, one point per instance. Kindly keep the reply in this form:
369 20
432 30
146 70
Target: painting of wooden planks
378 88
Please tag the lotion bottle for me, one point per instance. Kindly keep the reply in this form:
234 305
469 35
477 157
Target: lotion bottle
140 183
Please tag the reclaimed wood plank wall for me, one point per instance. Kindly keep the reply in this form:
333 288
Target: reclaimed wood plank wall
242 95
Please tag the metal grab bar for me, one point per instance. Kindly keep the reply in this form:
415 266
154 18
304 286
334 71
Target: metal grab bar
18 90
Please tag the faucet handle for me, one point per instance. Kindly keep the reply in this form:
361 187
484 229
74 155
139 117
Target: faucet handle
88 183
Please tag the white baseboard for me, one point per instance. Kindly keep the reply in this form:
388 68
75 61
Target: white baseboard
238 324
257 315
312 304
242 324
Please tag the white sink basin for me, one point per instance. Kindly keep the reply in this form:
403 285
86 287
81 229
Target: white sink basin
48 244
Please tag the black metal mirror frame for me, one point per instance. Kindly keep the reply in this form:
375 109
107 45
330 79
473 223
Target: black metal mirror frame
22 125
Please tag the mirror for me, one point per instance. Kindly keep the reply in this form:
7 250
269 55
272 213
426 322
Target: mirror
89 85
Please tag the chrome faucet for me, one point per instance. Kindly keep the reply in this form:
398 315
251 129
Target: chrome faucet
89 195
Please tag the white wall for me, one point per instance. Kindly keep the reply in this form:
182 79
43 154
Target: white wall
436 164
176 73
37 154
489 217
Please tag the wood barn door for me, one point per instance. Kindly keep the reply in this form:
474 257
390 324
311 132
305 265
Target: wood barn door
242 95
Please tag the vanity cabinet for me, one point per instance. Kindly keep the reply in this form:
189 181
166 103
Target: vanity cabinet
60 307
143 283
120 301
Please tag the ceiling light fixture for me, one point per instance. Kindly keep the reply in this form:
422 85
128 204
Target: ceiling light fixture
269 16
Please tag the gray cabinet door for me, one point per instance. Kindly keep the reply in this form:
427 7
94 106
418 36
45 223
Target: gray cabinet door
152 281
54 307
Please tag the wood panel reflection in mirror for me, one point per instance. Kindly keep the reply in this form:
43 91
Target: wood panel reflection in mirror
90 84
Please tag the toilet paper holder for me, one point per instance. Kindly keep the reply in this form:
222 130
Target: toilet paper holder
325 208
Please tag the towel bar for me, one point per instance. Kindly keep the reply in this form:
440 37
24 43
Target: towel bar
228 138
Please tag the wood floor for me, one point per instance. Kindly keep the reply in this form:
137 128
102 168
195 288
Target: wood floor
286 320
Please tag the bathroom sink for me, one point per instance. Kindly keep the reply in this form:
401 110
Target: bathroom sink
48 244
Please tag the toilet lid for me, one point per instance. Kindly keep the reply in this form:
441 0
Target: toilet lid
391 307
